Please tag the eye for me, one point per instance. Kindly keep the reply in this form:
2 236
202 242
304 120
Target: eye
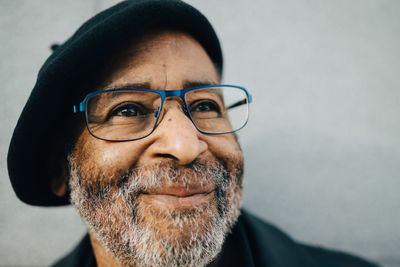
129 110
204 106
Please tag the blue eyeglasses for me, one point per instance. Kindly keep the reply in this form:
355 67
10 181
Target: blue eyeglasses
129 114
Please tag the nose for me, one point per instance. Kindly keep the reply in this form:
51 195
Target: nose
175 137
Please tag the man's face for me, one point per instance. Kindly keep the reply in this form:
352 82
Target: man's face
170 198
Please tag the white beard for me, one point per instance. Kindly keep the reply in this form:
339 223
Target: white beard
194 236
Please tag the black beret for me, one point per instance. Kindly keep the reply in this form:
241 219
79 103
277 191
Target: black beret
43 125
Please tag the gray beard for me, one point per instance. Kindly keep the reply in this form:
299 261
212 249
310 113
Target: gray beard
114 215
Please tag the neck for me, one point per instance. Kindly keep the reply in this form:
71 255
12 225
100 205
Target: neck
103 257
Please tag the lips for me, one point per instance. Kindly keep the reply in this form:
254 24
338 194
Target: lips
179 196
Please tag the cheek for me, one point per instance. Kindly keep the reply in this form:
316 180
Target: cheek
225 147
103 162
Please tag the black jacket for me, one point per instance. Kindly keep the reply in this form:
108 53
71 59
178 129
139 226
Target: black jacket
252 242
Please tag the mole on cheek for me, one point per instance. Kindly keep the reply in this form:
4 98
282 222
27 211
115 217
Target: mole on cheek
169 120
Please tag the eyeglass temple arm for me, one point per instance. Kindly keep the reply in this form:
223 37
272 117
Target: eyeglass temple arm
79 108
239 103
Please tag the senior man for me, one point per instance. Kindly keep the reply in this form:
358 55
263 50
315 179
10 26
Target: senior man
129 122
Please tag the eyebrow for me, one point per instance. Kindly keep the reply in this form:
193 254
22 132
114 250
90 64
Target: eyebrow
147 85
138 85
191 84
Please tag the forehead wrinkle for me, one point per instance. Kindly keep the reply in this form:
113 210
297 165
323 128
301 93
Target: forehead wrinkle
117 70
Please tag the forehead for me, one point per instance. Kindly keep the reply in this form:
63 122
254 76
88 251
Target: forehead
159 59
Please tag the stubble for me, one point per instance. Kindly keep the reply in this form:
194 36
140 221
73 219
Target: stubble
137 233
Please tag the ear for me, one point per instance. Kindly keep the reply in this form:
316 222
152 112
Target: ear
58 173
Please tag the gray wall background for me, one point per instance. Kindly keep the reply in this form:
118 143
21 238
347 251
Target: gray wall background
322 147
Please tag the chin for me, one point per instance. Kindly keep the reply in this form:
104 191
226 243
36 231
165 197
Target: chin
141 229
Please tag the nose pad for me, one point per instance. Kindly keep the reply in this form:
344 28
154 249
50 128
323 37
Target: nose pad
157 112
185 111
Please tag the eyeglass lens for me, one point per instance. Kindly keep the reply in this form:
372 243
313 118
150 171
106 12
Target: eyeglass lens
129 114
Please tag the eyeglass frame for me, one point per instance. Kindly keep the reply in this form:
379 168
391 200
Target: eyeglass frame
81 107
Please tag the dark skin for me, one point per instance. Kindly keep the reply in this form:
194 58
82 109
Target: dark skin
164 60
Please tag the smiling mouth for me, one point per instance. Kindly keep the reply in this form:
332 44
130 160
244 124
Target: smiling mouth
177 197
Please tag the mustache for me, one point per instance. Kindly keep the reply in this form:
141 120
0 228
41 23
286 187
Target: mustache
198 173
140 179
